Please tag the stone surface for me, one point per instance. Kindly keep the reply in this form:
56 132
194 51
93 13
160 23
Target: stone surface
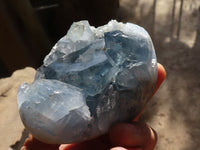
11 126
89 74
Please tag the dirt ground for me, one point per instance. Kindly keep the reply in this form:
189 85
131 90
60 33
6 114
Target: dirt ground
173 111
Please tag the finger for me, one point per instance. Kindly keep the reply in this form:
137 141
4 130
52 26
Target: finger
161 76
100 143
134 135
122 148
33 144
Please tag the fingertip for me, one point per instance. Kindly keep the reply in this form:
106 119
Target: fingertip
151 143
161 72
161 76
122 148
118 148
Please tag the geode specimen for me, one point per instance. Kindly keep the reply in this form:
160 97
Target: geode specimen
91 79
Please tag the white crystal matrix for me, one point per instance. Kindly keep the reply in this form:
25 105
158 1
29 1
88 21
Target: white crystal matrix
91 79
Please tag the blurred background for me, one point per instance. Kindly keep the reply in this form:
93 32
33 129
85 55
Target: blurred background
29 28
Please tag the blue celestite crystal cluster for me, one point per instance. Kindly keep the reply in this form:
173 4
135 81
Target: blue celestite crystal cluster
91 79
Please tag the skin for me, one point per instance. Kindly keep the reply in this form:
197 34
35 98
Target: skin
122 136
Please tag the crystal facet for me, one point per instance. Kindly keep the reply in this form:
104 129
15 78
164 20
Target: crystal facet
91 79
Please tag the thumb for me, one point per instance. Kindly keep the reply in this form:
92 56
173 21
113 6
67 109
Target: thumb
133 135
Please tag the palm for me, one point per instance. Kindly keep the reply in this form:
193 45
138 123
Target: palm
133 136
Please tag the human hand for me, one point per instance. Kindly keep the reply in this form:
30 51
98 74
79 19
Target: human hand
122 136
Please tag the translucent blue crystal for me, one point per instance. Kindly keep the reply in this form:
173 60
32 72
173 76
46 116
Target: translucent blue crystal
91 79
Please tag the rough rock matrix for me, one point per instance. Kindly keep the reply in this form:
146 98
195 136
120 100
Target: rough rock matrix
91 79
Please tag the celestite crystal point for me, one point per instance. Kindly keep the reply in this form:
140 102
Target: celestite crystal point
91 79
